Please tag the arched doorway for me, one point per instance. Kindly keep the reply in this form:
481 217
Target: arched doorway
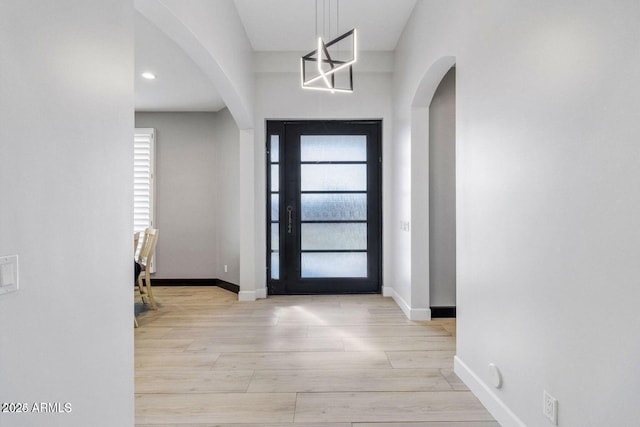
421 176
442 198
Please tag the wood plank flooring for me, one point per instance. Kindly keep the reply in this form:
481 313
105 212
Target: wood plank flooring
203 359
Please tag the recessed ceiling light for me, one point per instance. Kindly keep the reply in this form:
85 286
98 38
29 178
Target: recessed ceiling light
149 76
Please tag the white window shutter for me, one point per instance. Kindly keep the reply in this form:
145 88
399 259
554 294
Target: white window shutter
143 181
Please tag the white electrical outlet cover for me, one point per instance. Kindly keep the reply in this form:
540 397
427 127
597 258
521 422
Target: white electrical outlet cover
8 274
550 408
495 375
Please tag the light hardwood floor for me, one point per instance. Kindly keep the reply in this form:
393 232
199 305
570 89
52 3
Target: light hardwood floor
205 359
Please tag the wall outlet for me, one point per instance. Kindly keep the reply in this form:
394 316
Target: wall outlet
495 375
8 274
550 408
226 270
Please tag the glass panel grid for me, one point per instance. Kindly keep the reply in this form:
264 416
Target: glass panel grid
331 224
274 159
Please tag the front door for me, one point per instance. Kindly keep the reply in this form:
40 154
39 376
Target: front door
324 205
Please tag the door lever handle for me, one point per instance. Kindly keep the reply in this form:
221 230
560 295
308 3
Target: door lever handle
289 219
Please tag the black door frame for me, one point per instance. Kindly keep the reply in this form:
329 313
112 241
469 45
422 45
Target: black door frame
294 284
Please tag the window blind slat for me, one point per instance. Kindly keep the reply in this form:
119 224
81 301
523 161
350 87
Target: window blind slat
143 169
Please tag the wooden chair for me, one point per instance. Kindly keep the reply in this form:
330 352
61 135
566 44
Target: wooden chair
145 257
136 239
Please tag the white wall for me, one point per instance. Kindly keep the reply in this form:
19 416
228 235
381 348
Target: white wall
66 123
228 199
442 193
196 194
547 198
279 96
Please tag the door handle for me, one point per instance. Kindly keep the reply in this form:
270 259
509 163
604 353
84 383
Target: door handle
289 219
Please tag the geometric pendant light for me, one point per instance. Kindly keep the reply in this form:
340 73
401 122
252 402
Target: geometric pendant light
329 67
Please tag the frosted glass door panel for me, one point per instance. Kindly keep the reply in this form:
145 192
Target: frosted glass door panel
333 177
334 264
334 236
275 181
334 207
275 265
333 148
275 206
275 236
275 149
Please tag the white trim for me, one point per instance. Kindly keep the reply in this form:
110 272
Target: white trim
247 296
387 291
486 395
420 314
249 236
411 313
261 293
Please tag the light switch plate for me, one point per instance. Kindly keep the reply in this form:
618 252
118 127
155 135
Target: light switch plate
8 274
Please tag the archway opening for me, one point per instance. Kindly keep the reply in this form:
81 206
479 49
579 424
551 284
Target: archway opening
442 198
422 243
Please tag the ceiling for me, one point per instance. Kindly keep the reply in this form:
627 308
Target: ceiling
271 25
180 85
289 25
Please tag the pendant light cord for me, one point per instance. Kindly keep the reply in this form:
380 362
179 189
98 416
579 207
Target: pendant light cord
324 19
326 32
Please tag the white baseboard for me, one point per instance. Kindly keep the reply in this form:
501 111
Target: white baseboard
411 313
486 395
420 314
261 293
247 296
